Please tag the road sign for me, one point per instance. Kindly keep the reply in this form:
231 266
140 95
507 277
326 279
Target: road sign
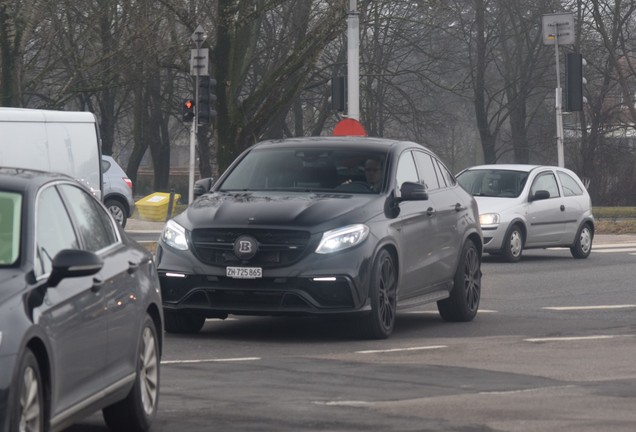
199 36
199 61
349 127
558 28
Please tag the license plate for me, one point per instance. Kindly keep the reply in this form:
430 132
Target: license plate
244 272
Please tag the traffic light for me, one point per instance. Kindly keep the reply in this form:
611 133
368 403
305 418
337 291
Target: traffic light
187 110
206 99
574 82
338 93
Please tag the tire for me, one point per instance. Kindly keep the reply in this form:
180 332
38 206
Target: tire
379 323
513 244
28 409
463 303
137 412
583 243
118 211
183 322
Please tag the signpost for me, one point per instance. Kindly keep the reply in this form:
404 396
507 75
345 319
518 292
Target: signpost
558 28
199 61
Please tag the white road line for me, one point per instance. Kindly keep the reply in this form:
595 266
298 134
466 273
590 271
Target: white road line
574 338
431 347
598 307
613 245
434 312
614 250
210 360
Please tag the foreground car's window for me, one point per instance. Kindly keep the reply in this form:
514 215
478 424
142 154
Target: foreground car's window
312 169
493 183
54 231
93 223
10 205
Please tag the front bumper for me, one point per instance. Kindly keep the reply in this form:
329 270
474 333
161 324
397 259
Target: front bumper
494 237
314 285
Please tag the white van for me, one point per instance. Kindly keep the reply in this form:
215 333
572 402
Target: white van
59 141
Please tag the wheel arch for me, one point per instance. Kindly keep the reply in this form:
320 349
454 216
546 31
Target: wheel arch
522 225
120 199
155 315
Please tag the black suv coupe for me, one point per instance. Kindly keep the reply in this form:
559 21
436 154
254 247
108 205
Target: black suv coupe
324 225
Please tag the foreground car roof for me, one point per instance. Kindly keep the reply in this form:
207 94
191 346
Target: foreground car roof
510 167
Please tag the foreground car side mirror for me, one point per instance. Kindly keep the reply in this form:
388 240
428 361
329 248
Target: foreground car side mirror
411 191
74 263
202 186
540 195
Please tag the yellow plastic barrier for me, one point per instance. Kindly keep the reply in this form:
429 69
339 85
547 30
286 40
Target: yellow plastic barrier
154 207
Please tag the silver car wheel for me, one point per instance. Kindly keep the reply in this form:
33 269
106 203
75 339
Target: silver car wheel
585 239
30 418
516 243
149 374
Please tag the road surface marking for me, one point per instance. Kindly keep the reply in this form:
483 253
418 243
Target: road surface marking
574 338
434 312
599 307
614 250
210 360
402 349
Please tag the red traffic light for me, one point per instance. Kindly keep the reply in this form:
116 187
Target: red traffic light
187 110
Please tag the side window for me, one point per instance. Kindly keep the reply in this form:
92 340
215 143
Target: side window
54 230
570 186
427 170
545 181
406 170
448 177
94 225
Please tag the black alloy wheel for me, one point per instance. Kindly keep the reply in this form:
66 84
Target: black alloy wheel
383 295
463 303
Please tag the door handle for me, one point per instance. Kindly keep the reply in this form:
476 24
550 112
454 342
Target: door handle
430 211
132 267
562 207
459 207
97 285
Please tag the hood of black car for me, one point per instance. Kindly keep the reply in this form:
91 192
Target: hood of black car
280 209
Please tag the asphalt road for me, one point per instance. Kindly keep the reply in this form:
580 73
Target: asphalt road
552 348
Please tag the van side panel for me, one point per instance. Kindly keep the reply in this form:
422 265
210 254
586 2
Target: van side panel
57 141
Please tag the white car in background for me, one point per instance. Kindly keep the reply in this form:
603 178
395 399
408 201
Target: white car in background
530 206
117 191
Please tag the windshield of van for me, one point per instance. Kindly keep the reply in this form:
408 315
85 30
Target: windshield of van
493 183
10 206
308 169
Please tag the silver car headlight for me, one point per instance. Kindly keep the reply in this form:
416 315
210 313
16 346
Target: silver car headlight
174 235
489 219
342 238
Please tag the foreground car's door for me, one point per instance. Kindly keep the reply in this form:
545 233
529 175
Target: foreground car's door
72 313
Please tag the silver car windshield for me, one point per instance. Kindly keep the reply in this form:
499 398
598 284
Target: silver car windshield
493 183
308 169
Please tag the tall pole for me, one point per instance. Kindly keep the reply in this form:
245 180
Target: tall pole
353 61
558 102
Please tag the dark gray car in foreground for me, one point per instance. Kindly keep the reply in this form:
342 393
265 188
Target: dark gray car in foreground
80 310
293 228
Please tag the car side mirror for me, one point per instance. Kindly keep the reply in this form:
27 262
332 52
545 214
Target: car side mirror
540 195
411 191
73 263
202 186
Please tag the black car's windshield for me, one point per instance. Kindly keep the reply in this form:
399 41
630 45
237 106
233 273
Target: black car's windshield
308 169
493 182
10 207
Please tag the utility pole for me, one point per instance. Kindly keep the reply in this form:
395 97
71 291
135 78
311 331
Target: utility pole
353 61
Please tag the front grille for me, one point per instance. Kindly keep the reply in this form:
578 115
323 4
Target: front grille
275 247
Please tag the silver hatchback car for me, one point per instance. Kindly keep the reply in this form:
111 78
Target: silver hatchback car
117 191
530 206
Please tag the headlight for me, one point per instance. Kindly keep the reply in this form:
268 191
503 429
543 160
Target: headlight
489 219
342 238
174 236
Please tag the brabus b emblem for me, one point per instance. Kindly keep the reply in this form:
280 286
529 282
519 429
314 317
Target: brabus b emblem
245 247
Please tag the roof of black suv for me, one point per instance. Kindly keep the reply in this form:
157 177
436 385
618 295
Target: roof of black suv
372 143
